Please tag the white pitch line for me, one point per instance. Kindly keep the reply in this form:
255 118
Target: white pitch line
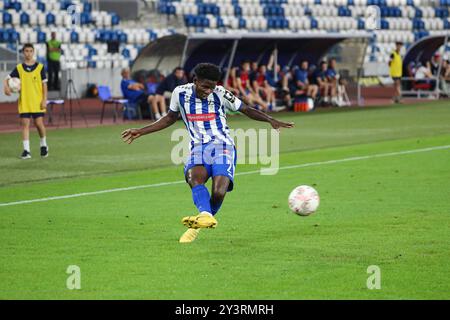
84 194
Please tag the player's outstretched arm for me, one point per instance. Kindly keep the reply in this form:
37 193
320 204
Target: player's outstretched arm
130 135
255 114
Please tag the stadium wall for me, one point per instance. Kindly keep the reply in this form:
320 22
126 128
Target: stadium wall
81 78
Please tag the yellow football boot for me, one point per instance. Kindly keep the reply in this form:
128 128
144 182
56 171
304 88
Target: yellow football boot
189 236
203 220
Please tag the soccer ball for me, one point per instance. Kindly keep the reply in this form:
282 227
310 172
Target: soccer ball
304 200
14 84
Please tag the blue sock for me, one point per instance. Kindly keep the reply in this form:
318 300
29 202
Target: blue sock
200 195
215 208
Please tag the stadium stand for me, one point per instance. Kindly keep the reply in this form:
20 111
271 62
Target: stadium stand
85 45
85 30
401 20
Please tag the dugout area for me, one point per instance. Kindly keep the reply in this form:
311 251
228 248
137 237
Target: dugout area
229 50
422 51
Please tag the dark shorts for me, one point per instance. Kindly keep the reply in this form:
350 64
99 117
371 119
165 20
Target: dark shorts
143 99
162 88
33 115
396 78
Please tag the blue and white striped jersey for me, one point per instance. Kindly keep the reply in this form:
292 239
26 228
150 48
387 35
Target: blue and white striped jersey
205 119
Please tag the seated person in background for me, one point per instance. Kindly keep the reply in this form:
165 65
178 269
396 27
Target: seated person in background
445 78
434 63
320 79
134 91
411 69
245 88
262 87
424 76
277 85
302 84
175 79
231 84
253 67
152 83
333 78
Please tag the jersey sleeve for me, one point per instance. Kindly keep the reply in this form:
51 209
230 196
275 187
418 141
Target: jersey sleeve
14 73
175 101
229 100
43 75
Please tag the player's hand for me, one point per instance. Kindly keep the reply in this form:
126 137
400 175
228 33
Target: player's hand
277 124
7 91
130 135
43 105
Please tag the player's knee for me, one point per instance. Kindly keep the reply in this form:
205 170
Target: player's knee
195 182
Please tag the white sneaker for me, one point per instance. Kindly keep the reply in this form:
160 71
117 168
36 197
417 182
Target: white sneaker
26 155
157 116
164 114
278 109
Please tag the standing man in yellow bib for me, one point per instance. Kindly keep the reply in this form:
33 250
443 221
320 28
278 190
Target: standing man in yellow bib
396 70
53 61
32 98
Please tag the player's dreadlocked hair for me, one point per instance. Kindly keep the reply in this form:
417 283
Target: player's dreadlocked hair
207 71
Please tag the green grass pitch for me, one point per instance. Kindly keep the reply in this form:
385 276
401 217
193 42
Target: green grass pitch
391 211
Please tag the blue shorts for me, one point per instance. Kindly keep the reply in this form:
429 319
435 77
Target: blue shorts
218 160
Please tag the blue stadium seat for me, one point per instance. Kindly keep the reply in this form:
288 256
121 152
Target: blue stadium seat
50 19
419 13
126 53
237 11
24 19
361 24
7 18
74 37
41 6
115 19
41 37
65 4
242 23
87 7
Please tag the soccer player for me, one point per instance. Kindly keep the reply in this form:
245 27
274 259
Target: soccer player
202 107
32 98
396 71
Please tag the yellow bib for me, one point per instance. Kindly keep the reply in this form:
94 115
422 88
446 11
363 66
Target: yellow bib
395 69
31 94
